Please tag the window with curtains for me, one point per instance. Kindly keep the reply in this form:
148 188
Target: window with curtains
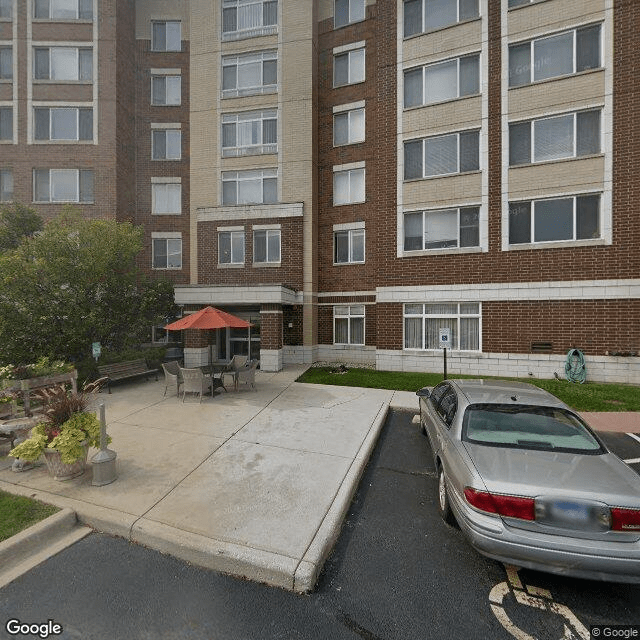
442 229
63 124
62 185
348 67
442 81
348 246
422 323
442 155
166 91
6 9
248 18
166 35
6 124
63 9
63 64
250 133
427 15
231 247
348 324
347 11
553 56
167 253
348 186
249 74
259 186
555 219
166 144
6 185
166 198
348 127
569 135
266 245
6 63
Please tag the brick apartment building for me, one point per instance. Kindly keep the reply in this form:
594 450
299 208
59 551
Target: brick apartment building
351 175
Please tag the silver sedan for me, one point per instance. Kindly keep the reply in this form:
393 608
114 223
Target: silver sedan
529 483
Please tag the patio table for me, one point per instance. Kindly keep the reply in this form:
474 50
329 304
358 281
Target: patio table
211 370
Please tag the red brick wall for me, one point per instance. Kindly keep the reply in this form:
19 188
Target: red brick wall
325 318
292 315
271 326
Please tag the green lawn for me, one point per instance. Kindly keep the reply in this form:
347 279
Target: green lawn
591 396
18 513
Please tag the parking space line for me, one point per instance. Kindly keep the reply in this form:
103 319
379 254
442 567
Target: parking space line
632 461
634 436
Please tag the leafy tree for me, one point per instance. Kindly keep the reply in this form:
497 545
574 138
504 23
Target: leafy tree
73 284
17 222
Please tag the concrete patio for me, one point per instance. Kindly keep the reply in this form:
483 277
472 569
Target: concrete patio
251 483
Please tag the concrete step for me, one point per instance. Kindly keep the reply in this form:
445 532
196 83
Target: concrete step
34 545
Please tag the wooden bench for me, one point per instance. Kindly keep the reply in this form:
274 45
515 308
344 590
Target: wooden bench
125 370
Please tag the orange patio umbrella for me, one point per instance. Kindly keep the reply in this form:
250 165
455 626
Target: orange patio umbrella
208 318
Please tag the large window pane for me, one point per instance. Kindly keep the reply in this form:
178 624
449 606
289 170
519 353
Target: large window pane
441 155
356 66
250 191
553 138
357 245
249 75
159 253
413 88
440 13
64 124
470 227
553 220
441 81
341 129
469 9
174 90
86 186
41 64
469 75
270 190
273 246
6 9
270 13
340 187
519 143
6 123
229 77
413 333
224 248
229 192
341 69
86 124
357 185
588 48
412 17
341 239
413 152
553 56
341 13
237 247
64 185
6 63
441 229
357 330
413 231
270 72
64 9
86 65
173 36
469 334
86 9
41 185
469 151
519 64
64 63
174 253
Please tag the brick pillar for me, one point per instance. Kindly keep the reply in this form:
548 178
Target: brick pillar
271 339
196 347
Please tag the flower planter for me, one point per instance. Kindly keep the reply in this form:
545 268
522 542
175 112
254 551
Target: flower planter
61 470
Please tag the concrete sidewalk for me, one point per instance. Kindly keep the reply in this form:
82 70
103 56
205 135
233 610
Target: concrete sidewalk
255 484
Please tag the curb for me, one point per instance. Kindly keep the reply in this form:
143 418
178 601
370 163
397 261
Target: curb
34 545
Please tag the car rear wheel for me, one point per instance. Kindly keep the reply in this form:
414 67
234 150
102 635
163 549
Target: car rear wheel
443 499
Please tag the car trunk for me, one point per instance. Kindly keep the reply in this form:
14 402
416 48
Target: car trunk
572 491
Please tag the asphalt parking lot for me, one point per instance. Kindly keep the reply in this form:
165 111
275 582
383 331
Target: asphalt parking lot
397 572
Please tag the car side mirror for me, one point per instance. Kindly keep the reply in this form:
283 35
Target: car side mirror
425 392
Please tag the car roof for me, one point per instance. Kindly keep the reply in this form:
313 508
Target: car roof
504 391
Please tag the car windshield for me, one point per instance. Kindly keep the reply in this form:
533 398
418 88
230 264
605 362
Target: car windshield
528 427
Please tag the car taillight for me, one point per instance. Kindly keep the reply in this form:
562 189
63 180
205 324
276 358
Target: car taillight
625 519
503 505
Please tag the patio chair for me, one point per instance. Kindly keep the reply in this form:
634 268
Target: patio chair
248 374
236 363
194 381
172 376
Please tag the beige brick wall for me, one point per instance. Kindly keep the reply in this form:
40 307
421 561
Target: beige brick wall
445 43
447 116
450 190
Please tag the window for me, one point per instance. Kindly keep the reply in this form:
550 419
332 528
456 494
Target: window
348 186
63 123
6 63
231 247
166 35
62 185
442 155
166 144
566 136
422 324
166 198
250 187
253 132
442 81
427 15
6 9
554 56
554 219
248 18
348 324
6 185
347 11
442 229
348 127
249 74
6 124
348 246
166 90
266 245
63 64
519 3
167 253
348 67
63 9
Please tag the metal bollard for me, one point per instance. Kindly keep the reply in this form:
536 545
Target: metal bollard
104 462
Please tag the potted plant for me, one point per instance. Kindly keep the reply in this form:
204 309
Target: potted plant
64 435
